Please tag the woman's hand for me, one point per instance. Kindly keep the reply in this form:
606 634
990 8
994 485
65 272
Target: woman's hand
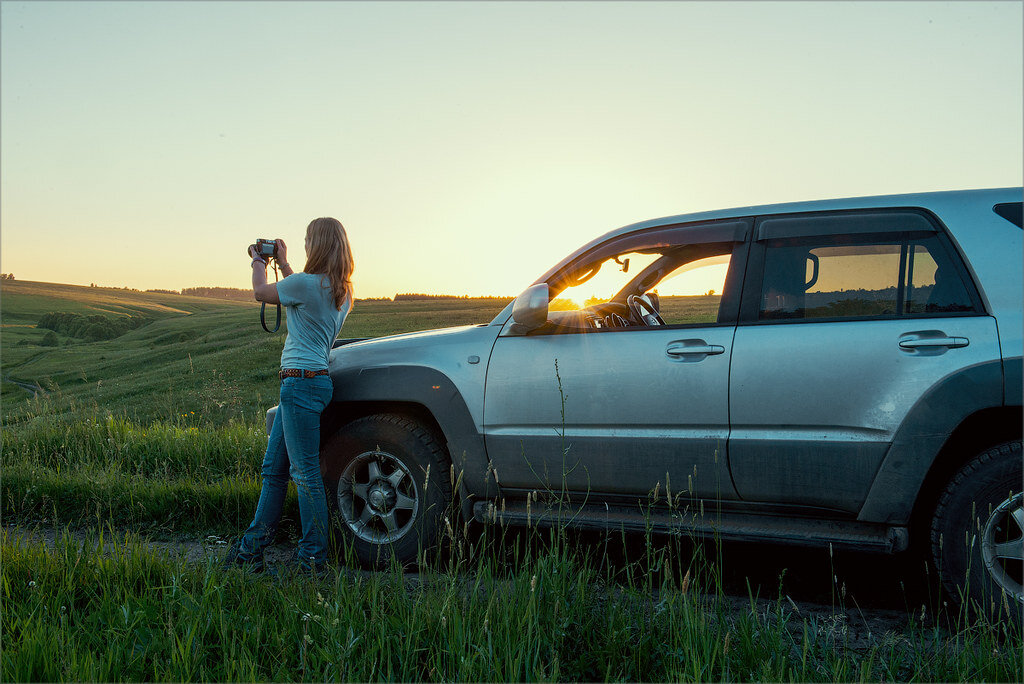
255 256
282 251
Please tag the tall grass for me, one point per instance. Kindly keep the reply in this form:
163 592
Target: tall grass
180 447
177 475
76 612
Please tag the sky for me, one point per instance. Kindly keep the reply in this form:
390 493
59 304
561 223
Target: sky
469 146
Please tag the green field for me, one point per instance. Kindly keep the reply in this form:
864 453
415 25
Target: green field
159 434
204 357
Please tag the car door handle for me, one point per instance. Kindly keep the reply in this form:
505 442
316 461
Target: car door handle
690 348
931 342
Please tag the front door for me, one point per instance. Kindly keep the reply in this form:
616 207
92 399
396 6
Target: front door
603 403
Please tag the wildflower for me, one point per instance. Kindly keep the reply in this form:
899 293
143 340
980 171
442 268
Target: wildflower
31 584
308 639
725 646
657 489
686 582
533 583
444 620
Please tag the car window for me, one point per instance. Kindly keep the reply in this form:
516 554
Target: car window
933 285
600 286
854 276
692 293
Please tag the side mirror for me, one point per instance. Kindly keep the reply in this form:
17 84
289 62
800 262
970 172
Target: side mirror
531 309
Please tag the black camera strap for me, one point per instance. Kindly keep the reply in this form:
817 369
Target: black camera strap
263 309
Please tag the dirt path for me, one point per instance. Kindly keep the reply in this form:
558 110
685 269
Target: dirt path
35 389
859 628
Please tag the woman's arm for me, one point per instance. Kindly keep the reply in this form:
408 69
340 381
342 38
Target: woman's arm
261 289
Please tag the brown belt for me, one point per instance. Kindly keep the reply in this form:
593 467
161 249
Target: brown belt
299 373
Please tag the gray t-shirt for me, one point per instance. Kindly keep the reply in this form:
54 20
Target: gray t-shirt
313 322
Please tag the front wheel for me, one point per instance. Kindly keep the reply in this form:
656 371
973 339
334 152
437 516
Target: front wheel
978 533
387 485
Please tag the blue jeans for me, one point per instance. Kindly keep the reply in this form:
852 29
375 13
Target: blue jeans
293 448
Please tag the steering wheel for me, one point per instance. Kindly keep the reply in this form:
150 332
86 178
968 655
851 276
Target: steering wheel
642 308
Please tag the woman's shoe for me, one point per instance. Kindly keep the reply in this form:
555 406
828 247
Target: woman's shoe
232 561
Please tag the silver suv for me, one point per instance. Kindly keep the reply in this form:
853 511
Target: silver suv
842 372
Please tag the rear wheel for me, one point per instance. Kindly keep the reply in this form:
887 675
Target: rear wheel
978 533
379 494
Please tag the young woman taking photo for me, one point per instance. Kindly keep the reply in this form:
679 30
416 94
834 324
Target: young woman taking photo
316 302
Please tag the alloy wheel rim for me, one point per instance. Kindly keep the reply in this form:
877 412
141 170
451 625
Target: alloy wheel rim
1002 546
377 497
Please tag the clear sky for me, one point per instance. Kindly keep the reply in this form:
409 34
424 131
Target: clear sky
467 147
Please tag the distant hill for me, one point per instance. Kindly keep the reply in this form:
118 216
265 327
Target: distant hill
200 356
25 302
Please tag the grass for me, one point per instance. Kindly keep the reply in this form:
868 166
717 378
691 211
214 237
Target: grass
128 614
162 431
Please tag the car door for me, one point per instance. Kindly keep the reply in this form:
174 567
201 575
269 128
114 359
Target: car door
613 412
847 319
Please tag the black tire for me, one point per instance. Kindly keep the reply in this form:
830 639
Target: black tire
977 522
399 489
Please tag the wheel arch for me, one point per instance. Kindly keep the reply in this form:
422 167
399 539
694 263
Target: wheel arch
424 394
979 432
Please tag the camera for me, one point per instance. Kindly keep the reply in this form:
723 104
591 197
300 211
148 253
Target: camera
264 248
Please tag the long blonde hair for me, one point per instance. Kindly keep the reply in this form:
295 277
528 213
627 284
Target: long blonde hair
330 255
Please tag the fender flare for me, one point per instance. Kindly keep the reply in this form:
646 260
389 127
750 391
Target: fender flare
922 435
437 394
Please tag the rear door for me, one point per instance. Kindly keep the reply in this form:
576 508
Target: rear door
847 319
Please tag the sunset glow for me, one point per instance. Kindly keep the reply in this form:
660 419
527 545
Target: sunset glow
468 147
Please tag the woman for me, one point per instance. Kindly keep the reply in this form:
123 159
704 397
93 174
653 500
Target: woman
316 303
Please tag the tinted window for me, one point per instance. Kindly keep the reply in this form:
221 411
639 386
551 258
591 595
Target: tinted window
933 285
857 276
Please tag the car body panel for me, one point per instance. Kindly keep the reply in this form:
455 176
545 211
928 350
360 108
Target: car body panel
632 415
922 434
814 406
831 418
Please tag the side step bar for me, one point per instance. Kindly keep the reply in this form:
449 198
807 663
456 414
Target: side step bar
850 534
